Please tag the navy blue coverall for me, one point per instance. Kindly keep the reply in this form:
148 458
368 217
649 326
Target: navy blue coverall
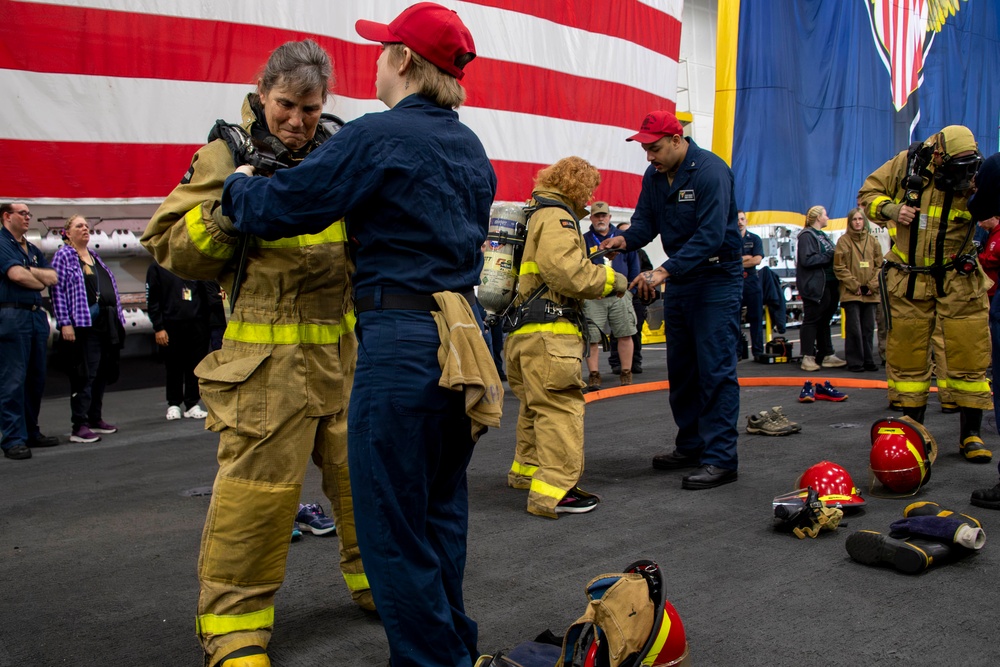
414 187
696 220
24 334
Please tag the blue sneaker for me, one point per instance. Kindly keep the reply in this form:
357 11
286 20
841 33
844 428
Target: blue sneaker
808 393
296 534
826 392
312 518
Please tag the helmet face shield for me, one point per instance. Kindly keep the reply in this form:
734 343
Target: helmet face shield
956 173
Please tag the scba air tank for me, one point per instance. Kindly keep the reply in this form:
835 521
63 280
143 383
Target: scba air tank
502 257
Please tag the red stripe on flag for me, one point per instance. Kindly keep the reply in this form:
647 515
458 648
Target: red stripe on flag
71 170
42 172
124 44
626 19
515 181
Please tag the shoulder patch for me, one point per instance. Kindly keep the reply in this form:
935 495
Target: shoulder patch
188 175
568 224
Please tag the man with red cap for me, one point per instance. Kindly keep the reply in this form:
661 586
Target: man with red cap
688 198
414 186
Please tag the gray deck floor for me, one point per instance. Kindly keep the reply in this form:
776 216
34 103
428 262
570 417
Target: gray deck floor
99 546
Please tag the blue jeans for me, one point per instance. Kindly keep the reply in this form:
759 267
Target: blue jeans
409 444
702 327
23 348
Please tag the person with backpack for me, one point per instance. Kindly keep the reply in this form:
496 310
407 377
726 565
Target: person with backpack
277 391
414 186
545 343
931 277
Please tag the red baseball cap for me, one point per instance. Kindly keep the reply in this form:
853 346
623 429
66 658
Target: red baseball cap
657 125
433 31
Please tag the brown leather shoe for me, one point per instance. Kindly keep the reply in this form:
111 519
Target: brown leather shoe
594 381
626 377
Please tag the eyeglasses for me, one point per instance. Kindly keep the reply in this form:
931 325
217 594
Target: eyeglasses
24 214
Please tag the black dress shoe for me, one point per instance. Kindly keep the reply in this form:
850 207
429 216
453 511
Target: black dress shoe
708 477
43 441
856 369
871 367
676 460
636 369
616 370
17 452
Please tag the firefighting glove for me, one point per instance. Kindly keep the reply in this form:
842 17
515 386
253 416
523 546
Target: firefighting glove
621 285
945 529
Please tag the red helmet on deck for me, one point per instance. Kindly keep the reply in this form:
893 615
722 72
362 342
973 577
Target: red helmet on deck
833 483
902 453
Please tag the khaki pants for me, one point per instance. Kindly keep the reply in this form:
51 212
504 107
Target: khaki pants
544 372
272 420
964 324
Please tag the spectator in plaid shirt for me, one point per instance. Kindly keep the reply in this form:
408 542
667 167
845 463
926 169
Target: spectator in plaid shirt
89 315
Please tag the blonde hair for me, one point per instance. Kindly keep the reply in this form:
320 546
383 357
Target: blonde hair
428 80
812 215
573 176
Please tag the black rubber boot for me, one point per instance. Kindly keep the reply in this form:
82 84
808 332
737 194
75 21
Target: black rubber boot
970 442
911 556
987 498
916 414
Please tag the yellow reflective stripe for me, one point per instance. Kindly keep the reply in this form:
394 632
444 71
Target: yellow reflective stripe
289 334
942 383
551 327
909 387
899 253
335 233
918 457
202 240
609 280
874 206
835 496
211 624
935 212
523 469
357 582
892 232
661 639
528 268
969 387
543 489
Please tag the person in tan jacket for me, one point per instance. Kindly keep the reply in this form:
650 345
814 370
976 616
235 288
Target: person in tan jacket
545 347
277 392
856 263
929 278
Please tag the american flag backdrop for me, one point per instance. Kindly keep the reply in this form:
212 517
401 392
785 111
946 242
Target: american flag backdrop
105 101
900 27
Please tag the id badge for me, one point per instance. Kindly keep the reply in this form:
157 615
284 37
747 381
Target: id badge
863 265
186 294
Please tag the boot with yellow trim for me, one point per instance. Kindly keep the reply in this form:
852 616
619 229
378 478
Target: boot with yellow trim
930 508
248 656
971 445
910 556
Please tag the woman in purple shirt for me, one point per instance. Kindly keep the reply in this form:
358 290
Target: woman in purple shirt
88 313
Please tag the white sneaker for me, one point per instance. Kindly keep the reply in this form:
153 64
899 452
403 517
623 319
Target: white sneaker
195 413
809 364
173 412
833 361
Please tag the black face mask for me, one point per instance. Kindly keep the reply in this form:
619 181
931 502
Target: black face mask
956 173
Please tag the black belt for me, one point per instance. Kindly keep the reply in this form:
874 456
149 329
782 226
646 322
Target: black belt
20 306
424 302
